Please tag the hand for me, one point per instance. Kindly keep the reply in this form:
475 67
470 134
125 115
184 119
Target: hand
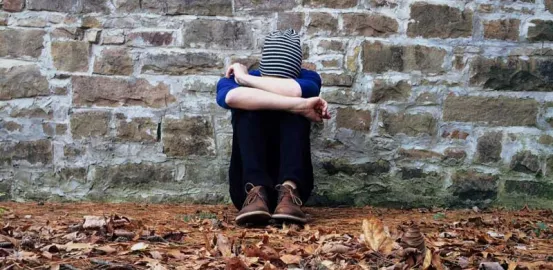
239 71
314 109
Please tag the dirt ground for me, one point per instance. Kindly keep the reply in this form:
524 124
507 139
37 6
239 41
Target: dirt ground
147 236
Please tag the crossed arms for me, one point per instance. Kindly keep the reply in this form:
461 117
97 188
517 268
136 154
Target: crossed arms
241 90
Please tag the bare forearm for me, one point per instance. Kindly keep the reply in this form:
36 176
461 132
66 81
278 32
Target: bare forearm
247 98
283 87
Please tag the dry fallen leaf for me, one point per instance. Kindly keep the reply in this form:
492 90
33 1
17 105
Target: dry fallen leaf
156 255
427 260
176 254
94 222
235 263
77 246
376 237
107 249
139 247
335 248
290 259
223 245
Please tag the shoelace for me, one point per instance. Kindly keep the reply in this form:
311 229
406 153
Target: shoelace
252 194
288 191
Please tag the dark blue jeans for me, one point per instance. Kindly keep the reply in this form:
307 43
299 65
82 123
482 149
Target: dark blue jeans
268 148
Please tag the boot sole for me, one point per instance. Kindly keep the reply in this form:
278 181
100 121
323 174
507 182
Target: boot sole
255 217
285 217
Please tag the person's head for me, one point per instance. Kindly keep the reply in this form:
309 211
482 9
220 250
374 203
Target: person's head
282 55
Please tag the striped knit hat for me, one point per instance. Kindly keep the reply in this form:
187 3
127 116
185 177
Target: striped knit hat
281 56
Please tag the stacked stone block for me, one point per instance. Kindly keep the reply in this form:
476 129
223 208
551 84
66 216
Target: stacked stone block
434 102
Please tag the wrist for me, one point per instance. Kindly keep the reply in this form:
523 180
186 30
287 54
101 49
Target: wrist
243 80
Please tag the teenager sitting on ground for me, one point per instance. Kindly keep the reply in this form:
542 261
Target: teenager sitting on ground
270 167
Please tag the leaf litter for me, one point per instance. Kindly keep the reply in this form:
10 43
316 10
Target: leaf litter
143 236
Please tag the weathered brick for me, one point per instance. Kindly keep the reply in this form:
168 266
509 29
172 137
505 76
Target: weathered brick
549 5
69 6
546 140
34 111
379 58
541 31
495 111
48 129
488 148
370 25
419 154
189 136
22 82
133 175
10 126
146 39
114 61
333 79
4 19
182 63
189 7
140 129
474 186
439 21
322 23
103 91
331 3
342 96
75 33
525 162
383 3
409 124
353 119
330 46
260 6
502 29
89 124
289 20
127 6
21 43
332 63
513 73
90 22
115 37
251 62
72 151
383 91
13 5
214 34
70 55
338 165
455 154
532 188
33 152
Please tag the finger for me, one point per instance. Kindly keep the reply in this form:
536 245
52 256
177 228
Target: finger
229 72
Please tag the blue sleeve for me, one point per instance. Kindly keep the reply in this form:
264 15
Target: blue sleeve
310 83
223 87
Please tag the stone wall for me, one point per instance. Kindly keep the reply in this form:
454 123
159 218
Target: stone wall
435 102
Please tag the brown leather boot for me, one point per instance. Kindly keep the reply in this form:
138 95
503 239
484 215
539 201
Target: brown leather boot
255 208
289 205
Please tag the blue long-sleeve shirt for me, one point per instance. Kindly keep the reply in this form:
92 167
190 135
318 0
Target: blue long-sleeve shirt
309 81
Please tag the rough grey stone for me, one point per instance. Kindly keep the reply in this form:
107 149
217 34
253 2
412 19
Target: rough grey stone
353 119
22 82
104 91
213 34
500 111
69 6
260 6
383 92
513 74
70 55
160 39
19 43
370 25
409 124
89 124
13 5
489 147
114 61
542 31
322 23
33 152
293 20
188 137
182 63
502 29
439 21
525 162
189 7
138 129
379 58
531 188
474 188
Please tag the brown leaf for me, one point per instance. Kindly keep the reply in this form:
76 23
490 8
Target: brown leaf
107 249
290 259
376 237
223 245
437 261
427 260
77 246
269 266
254 251
335 248
156 255
47 255
176 254
94 222
413 238
235 263
490 266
